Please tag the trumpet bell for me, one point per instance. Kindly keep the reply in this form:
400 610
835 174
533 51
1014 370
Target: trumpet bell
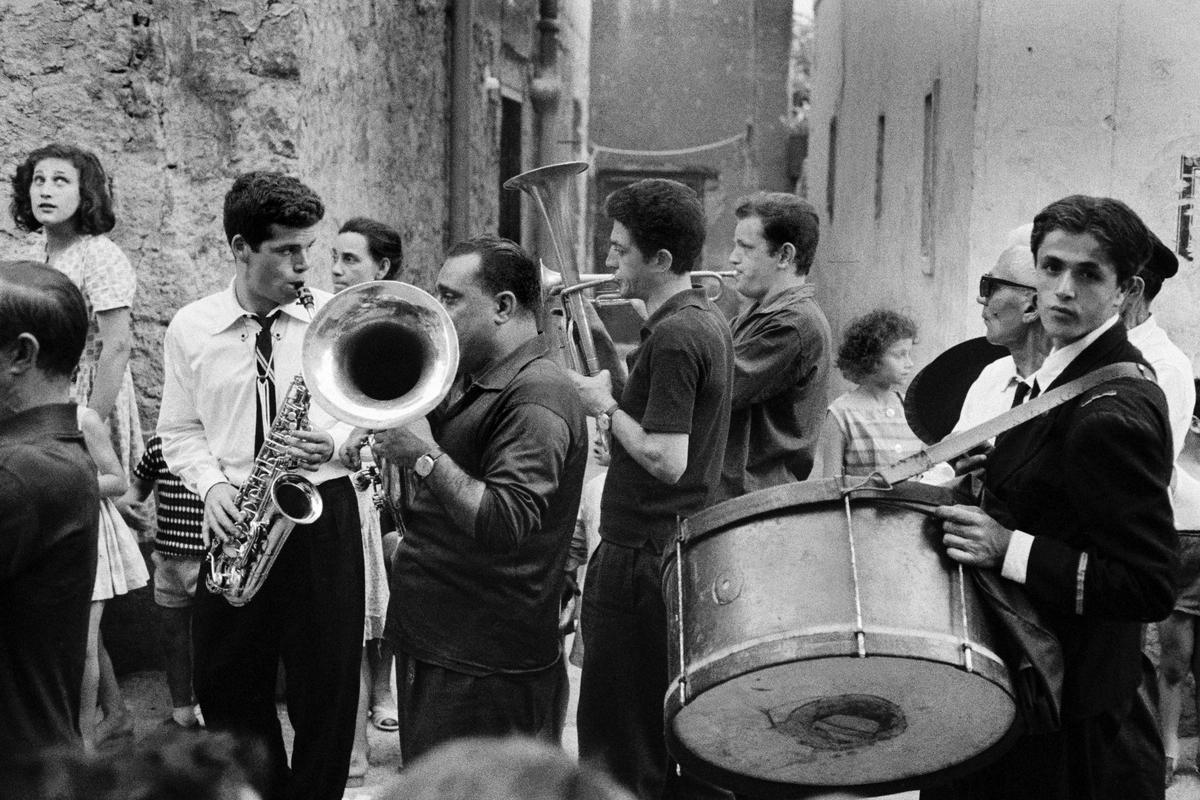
380 354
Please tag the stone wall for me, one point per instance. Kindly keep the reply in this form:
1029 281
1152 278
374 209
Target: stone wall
178 98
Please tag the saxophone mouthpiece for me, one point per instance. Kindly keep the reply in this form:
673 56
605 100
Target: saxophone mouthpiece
305 296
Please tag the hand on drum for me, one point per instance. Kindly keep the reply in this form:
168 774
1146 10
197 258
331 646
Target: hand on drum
971 537
973 460
404 445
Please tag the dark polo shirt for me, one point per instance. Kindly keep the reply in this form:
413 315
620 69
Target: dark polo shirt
782 356
679 382
487 601
49 510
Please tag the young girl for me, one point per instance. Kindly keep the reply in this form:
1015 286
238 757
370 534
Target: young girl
119 569
865 429
62 191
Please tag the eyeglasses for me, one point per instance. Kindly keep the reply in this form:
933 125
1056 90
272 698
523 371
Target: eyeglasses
989 283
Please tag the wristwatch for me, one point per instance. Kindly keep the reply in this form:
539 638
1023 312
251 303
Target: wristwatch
424 464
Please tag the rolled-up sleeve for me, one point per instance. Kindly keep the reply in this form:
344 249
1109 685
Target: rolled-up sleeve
523 464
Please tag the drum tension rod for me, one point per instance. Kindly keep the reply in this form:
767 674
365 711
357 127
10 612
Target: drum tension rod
860 635
683 678
967 647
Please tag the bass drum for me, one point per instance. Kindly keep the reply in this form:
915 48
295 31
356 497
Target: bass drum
821 638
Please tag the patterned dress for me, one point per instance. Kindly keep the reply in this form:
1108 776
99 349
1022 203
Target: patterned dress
876 436
120 567
106 278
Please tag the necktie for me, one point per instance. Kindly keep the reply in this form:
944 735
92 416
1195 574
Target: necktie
1019 397
264 384
1035 391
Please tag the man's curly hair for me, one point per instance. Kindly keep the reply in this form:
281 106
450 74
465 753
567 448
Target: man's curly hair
259 200
661 214
868 338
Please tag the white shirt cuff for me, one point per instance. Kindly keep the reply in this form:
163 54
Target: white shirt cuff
1016 558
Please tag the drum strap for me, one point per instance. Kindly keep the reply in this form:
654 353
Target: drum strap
955 445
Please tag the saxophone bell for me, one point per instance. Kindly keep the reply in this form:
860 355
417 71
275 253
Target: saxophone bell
297 498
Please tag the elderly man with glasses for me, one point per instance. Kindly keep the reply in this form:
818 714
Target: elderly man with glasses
1010 315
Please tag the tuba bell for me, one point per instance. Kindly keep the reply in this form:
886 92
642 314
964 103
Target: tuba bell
550 188
380 354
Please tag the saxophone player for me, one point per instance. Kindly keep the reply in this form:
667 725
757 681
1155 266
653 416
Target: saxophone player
228 359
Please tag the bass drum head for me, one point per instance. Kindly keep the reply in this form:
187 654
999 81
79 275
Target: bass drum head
879 723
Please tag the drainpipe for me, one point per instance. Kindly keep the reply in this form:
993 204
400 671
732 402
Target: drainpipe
462 92
546 88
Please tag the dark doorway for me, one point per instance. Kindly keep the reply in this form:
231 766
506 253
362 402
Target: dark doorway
510 165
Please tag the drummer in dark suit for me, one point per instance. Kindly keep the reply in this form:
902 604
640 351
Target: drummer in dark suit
1076 508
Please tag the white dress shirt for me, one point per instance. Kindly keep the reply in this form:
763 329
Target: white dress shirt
208 410
1016 558
1173 370
990 395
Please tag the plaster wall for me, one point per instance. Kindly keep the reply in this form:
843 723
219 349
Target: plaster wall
680 75
1038 101
877 60
1079 96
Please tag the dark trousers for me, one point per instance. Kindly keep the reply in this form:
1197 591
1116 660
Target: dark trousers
309 612
439 704
620 719
1082 761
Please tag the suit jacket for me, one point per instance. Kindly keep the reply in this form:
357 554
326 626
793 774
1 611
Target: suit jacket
1089 480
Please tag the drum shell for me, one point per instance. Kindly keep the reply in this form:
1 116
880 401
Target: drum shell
764 647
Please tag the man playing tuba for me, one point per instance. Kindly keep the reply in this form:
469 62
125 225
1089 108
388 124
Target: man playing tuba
498 467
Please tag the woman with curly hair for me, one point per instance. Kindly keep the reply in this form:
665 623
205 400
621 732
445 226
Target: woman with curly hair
63 192
865 429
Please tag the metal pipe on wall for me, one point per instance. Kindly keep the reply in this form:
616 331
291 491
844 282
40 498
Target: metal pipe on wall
462 91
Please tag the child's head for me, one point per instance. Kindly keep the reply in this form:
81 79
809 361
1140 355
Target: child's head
94 214
259 200
877 347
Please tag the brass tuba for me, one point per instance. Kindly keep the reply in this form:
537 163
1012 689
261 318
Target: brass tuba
550 188
380 355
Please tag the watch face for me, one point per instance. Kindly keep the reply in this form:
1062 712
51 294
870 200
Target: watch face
423 466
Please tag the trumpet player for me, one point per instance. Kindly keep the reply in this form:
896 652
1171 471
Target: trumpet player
226 356
781 346
669 432
478 576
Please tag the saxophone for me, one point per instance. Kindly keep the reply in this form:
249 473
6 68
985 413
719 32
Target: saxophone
271 502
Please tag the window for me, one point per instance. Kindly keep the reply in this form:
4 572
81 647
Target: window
929 175
831 173
1188 166
880 128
